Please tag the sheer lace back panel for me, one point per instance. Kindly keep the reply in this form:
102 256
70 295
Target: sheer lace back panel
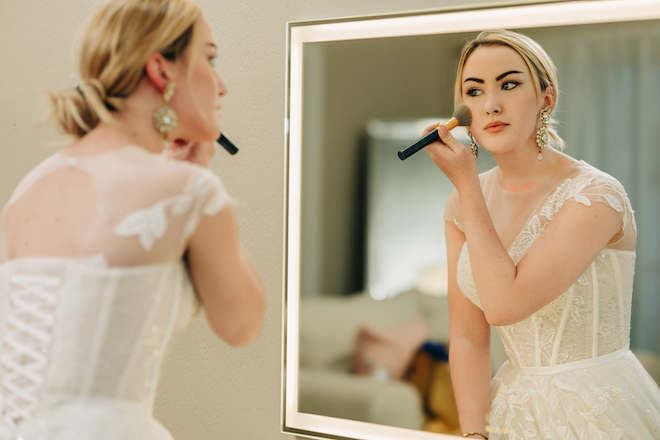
592 317
102 203
91 279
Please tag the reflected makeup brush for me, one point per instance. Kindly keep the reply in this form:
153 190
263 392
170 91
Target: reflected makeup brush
462 116
227 144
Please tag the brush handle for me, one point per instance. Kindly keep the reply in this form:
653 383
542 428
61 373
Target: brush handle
227 144
429 138
420 143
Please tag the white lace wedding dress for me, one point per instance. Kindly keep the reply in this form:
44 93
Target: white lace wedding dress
570 374
83 336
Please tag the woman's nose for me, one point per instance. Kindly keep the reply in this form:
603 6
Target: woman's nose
222 89
492 105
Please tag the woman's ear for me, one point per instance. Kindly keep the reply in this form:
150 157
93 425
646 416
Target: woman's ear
549 97
158 71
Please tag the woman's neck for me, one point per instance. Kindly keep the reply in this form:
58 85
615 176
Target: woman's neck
132 125
523 171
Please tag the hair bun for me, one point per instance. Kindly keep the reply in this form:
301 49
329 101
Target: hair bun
111 52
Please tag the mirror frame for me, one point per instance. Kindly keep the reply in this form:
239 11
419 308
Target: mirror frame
445 21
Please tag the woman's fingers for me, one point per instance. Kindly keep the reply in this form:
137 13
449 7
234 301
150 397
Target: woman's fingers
429 129
200 153
446 137
452 157
177 150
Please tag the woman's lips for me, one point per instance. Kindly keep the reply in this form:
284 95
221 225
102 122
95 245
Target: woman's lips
494 127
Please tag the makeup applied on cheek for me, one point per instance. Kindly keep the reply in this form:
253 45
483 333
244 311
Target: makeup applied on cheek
227 144
461 117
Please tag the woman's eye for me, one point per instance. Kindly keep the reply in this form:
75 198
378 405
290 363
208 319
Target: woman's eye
473 92
510 85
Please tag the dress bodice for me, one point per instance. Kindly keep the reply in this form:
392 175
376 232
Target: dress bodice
79 330
89 331
590 319
570 374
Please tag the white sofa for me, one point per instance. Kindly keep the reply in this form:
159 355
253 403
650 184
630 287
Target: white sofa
328 330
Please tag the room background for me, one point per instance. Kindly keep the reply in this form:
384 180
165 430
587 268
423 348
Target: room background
208 390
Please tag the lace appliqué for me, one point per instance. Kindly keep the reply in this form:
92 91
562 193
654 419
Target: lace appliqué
572 189
150 224
459 225
27 343
523 410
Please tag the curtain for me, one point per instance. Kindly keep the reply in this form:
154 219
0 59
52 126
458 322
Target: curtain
609 108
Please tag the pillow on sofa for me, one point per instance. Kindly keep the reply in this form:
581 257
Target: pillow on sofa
388 351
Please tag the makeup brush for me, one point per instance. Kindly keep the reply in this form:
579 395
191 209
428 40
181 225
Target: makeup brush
227 144
461 116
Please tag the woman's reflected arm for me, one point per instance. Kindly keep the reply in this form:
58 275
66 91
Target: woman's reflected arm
469 346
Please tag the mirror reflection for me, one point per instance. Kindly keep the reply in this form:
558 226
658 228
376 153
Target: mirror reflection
373 317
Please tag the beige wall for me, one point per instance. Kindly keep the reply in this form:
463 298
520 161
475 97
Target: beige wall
208 391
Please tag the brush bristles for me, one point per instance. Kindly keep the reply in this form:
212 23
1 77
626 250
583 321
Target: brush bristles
463 115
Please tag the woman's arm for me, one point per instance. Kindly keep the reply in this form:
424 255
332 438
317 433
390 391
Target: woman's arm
225 279
567 246
469 345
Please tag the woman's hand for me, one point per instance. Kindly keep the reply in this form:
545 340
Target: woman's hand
452 157
199 153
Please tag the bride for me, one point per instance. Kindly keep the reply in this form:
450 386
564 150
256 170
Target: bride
542 247
109 246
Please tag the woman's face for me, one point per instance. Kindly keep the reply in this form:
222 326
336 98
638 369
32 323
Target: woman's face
197 97
499 90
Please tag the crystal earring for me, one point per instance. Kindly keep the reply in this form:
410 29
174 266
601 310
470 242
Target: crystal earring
473 145
165 117
542 132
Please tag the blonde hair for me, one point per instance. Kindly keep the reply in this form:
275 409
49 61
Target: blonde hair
543 70
110 54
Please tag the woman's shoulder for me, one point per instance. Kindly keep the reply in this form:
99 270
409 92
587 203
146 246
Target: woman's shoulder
584 183
585 175
150 169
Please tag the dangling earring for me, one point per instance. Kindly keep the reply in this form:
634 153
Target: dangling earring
165 116
542 132
473 145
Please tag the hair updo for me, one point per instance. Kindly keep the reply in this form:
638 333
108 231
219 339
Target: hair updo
110 54
541 67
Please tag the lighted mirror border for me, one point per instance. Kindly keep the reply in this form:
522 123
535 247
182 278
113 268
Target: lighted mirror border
422 23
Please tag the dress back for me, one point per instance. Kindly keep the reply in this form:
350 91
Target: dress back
92 288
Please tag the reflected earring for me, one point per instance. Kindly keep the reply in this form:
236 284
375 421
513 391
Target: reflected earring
542 132
473 145
165 117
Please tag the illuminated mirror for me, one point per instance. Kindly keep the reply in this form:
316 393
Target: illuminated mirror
364 244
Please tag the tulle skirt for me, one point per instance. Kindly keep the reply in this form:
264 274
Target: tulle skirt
616 400
94 419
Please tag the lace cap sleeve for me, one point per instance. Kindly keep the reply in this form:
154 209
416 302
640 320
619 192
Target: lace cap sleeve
590 187
208 198
453 210
203 194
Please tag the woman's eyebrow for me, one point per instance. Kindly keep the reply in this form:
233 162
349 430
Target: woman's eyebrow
505 74
481 81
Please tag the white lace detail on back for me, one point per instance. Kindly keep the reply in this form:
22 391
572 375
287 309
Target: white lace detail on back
150 224
86 312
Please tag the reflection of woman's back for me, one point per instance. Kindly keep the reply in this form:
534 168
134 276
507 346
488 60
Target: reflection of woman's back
98 288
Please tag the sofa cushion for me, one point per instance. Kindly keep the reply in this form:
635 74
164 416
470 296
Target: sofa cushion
388 352
329 326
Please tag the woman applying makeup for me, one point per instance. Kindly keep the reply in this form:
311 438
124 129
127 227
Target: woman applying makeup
111 245
542 247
